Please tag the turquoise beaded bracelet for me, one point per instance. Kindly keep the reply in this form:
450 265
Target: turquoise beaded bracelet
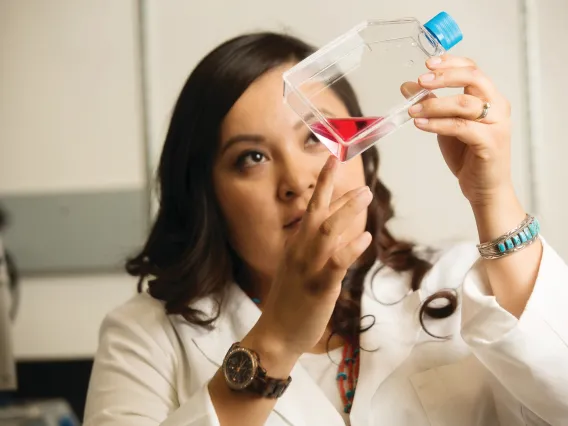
516 239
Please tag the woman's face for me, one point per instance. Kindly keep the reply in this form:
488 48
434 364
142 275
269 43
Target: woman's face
266 170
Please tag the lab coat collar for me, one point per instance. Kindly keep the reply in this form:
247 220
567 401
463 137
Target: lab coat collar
387 343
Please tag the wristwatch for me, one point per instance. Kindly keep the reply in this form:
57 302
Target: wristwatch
243 372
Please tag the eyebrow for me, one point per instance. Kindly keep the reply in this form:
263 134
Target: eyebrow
310 115
258 139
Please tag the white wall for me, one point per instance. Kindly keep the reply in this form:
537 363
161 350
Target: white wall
70 91
70 120
59 317
551 19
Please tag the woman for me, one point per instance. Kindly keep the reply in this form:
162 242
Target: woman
266 251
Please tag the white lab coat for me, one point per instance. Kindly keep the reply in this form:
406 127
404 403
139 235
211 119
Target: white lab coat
152 369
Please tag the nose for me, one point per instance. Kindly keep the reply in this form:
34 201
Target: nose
298 176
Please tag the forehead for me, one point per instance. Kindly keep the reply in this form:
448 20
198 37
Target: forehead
261 108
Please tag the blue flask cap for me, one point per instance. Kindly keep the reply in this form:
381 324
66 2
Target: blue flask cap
445 30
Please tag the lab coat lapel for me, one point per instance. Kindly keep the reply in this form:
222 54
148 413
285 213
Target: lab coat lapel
303 403
385 345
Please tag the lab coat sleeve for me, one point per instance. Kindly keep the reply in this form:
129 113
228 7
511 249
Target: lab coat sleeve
529 355
132 378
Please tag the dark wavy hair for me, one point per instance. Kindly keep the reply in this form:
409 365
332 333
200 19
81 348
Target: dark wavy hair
187 256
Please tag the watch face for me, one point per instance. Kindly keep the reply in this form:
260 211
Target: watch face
240 368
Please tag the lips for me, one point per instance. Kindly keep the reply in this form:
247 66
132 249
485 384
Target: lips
295 220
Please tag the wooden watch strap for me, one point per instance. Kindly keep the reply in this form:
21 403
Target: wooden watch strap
269 387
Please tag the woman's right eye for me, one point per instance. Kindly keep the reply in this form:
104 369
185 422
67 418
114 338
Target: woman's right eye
250 159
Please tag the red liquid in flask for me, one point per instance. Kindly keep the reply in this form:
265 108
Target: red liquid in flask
347 128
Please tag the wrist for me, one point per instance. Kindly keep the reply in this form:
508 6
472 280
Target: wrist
498 215
275 356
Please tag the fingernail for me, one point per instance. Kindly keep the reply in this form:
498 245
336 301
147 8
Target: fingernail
427 77
421 121
365 238
435 60
415 109
363 190
365 196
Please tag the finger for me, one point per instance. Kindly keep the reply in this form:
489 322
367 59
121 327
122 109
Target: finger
464 106
340 202
467 77
467 131
449 61
323 190
411 88
332 227
345 256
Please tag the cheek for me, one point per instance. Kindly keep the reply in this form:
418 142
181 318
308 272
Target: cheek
246 211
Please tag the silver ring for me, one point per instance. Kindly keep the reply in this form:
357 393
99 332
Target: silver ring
484 112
